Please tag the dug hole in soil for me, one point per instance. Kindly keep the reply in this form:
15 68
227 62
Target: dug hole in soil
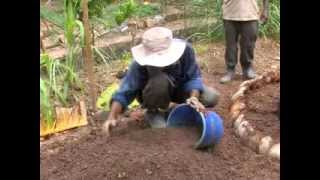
144 153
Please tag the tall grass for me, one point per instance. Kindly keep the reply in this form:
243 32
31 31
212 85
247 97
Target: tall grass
71 24
272 27
202 11
144 10
46 108
52 16
52 70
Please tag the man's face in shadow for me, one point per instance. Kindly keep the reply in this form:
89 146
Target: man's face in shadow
156 93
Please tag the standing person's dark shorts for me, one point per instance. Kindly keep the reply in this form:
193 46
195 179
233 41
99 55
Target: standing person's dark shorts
240 19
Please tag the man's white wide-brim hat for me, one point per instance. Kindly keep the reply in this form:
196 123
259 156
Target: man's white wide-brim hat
158 48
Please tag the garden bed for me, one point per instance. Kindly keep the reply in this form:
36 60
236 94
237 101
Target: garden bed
262 111
155 154
254 110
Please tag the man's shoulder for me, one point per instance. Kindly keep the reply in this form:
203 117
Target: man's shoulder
136 67
188 51
189 46
134 64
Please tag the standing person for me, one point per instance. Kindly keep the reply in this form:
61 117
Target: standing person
240 19
164 71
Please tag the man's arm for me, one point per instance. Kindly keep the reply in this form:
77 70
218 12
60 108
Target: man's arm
115 111
194 85
192 71
265 11
266 4
124 96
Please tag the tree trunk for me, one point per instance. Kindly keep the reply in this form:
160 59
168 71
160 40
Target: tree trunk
87 55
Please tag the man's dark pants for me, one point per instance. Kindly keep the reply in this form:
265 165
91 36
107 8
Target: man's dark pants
159 92
246 32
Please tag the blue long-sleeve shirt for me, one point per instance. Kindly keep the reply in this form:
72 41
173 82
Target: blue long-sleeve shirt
185 75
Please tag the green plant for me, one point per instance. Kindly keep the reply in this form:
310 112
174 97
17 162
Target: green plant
96 7
207 12
101 54
126 9
104 99
126 58
200 48
144 10
272 26
71 24
216 31
53 70
51 16
46 108
106 56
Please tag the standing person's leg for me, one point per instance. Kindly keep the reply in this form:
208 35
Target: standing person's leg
231 53
249 34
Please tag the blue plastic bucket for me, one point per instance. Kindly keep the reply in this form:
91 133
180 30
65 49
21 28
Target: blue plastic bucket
210 124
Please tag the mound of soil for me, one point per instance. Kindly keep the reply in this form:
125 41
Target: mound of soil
155 154
262 111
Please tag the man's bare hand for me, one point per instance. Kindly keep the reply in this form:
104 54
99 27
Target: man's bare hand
137 115
196 104
116 110
264 16
108 125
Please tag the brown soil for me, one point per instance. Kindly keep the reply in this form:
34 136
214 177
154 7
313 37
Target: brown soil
155 154
143 153
262 110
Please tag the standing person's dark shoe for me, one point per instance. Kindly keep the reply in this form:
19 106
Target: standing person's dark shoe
249 73
227 77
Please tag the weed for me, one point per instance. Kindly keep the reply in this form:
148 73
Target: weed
200 48
46 108
125 10
272 26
